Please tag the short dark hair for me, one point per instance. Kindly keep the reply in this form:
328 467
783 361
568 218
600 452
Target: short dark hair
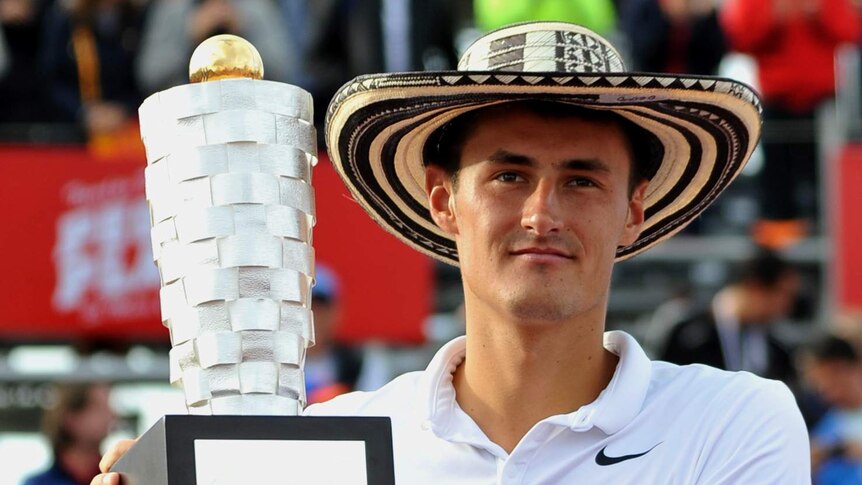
831 348
766 268
444 146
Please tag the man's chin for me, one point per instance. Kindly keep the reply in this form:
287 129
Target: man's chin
542 309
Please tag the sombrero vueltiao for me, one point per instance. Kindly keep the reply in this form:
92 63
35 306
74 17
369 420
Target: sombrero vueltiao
377 125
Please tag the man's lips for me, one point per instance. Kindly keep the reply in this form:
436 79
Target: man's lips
542 252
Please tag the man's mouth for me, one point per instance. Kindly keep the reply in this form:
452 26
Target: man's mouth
542 253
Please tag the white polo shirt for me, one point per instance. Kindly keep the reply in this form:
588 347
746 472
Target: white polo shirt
655 423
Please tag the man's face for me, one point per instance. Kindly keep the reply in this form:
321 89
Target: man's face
777 301
838 382
539 208
91 425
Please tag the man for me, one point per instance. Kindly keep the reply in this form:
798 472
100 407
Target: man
834 370
75 425
534 167
733 333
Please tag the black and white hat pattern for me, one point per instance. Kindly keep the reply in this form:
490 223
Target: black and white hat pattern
377 125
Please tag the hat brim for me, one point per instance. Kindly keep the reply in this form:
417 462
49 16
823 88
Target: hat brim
377 127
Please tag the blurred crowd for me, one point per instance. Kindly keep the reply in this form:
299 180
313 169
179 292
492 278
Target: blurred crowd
740 329
88 64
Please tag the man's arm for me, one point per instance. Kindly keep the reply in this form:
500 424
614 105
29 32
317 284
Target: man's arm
763 440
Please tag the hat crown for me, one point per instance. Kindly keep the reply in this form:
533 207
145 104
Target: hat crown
542 47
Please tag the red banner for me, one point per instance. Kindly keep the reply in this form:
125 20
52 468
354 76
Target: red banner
77 257
848 230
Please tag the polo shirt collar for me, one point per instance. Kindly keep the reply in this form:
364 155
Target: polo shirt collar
616 406
621 401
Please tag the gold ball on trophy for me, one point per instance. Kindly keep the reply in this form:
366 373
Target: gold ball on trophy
225 56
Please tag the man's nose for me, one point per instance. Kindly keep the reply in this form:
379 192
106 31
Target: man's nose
542 212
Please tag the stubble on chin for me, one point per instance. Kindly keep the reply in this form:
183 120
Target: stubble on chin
535 304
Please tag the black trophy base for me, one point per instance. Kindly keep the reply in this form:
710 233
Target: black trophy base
198 450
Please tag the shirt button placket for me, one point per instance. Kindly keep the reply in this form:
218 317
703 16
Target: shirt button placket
513 472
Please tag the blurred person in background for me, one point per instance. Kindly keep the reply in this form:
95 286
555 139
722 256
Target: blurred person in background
597 15
76 424
331 368
341 39
848 325
793 43
22 86
734 332
174 28
679 36
88 53
833 368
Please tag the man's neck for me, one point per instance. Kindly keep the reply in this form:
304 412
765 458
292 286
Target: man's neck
515 374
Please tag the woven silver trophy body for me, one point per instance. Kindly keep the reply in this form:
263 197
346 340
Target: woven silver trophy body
228 181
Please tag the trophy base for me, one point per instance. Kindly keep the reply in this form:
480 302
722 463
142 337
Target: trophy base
197 450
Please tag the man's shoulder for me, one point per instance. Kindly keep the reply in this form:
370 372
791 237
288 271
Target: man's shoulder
389 400
692 320
703 382
744 428
725 406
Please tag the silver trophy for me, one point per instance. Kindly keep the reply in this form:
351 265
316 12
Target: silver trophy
228 181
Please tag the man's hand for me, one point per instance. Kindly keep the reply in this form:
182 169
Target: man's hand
104 117
111 457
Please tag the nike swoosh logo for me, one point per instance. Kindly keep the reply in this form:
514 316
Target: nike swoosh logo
604 460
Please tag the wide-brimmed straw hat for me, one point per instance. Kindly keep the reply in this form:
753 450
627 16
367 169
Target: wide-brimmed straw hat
377 125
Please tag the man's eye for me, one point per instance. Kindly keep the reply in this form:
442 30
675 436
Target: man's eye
582 182
509 177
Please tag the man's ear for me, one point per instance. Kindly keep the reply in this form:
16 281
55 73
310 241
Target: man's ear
635 217
438 187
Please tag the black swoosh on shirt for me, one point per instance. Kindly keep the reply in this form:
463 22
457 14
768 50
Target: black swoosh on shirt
604 460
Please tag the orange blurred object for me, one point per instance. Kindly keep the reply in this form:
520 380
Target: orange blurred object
779 234
326 393
123 144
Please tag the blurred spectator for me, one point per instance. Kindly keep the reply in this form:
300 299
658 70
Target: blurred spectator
22 87
330 367
341 39
793 43
679 36
4 54
174 28
848 325
88 51
598 15
734 332
833 368
665 317
75 425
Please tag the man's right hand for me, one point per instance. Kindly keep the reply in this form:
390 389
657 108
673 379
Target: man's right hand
111 457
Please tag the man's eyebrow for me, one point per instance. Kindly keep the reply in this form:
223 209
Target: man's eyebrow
507 157
589 164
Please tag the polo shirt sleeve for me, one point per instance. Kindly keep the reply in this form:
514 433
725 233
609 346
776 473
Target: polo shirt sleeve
760 439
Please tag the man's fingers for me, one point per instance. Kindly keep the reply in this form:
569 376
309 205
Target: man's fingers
106 479
113 455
